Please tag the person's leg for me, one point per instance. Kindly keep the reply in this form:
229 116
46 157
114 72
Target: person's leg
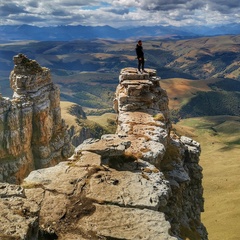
139 65
143 64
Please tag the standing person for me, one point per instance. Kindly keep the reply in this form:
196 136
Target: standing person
140 56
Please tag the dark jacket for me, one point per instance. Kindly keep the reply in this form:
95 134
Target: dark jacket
139 51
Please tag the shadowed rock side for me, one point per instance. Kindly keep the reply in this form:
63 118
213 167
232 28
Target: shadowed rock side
143 182
32 132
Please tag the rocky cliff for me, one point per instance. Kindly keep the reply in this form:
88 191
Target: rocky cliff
144 182
32 132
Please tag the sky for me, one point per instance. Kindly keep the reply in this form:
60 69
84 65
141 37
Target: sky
119 13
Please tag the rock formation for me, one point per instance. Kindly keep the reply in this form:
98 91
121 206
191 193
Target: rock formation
32 132
144 182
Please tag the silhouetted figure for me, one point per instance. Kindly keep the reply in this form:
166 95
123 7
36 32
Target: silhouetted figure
140 56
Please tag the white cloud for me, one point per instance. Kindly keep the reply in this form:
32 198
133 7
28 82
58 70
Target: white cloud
119 12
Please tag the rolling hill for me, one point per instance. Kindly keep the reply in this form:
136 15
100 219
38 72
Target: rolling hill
87 71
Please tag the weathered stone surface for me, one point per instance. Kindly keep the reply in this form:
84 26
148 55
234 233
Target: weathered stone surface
144 182
134 190
32 133
114 222
110 145
138 184
132 74
18 215
46 178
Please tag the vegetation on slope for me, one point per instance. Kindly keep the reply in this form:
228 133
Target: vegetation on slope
211 104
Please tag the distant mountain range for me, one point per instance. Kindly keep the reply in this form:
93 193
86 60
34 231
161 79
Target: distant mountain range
66 33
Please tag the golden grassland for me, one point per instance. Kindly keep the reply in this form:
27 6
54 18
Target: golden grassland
69 118
220 158
103 119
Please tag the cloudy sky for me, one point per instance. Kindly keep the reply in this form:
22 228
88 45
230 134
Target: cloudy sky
119 13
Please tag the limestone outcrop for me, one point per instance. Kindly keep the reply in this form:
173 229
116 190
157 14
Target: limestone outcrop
32 132
143 182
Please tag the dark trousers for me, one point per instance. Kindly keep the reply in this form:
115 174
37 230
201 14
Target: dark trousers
141 64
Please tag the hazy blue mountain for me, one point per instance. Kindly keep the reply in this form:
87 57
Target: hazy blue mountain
66 33
213 31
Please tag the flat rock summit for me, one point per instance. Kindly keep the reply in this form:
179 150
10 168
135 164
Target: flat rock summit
143 182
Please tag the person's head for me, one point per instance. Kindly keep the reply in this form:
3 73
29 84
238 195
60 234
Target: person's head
139 42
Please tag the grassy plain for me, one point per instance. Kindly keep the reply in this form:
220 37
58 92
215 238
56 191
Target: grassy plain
219 137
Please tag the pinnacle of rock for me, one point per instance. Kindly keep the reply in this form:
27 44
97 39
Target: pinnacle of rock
23 65
32 132
143 114
28 76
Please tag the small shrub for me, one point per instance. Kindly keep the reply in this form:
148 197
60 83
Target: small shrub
159 117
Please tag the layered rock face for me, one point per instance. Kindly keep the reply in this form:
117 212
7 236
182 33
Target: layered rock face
143 115
32 133
143 182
